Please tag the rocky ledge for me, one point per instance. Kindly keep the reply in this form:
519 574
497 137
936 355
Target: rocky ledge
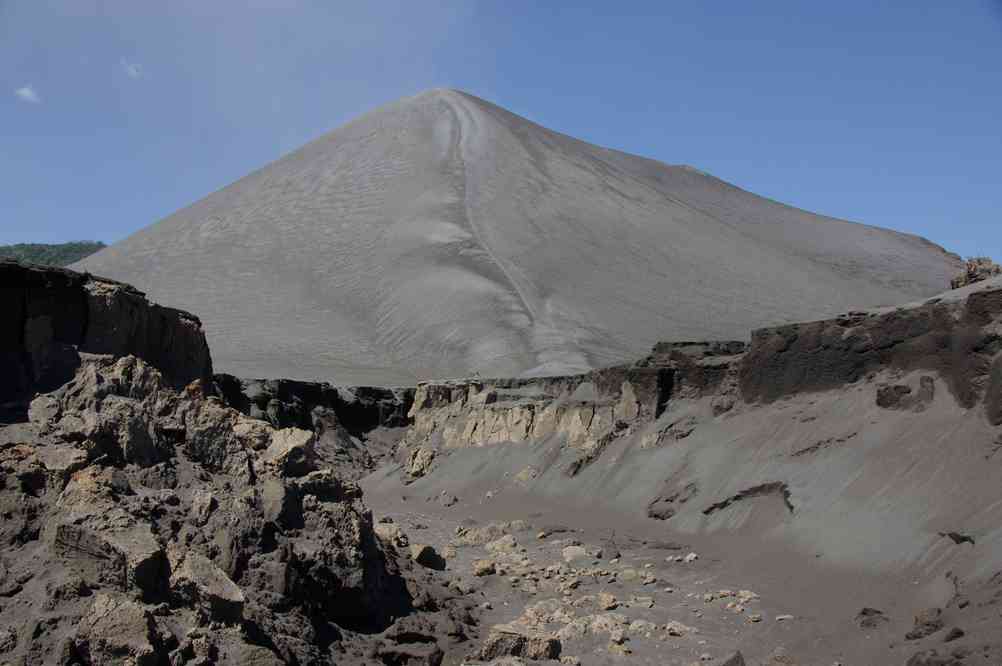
52 315
589 411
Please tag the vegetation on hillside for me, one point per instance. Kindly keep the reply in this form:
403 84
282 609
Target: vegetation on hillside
60 254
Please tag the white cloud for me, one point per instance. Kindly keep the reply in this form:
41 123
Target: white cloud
28 94
132 69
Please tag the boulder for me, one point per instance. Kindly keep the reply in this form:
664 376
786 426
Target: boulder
199 582
291 452
504 544
125 558
513 641
484 568
391 533
427 556
575 554
117 630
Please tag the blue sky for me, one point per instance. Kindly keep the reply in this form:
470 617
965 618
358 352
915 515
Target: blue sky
115 113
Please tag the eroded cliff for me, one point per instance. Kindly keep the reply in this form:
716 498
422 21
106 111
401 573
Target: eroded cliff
53 315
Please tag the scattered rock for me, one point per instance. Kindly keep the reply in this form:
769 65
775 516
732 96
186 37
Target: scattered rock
575 554
391 533
511 641
927 622
505 544
484 568
871 618
606 601
420 461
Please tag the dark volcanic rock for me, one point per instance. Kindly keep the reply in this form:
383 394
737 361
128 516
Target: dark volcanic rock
286 403
871 618
353 425
51 315
954 339
168 528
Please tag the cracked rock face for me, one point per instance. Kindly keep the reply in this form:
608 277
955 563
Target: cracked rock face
149 526
52 315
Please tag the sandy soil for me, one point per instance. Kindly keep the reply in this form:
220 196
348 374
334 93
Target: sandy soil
802 610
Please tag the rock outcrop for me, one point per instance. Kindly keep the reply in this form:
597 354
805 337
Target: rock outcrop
286 403
53 315
976 269
803 430
354 426
147 525
587 412
958 339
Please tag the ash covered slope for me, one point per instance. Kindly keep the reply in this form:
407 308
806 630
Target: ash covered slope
442 235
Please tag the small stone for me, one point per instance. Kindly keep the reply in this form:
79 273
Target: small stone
691 557
574 554
504 544
783 618
484 568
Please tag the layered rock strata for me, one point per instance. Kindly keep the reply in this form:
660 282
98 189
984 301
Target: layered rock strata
53 315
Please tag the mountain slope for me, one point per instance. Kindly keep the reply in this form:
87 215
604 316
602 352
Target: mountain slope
441 235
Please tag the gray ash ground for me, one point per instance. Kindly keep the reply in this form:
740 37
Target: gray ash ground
621 592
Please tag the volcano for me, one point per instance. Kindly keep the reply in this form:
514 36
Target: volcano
442 236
